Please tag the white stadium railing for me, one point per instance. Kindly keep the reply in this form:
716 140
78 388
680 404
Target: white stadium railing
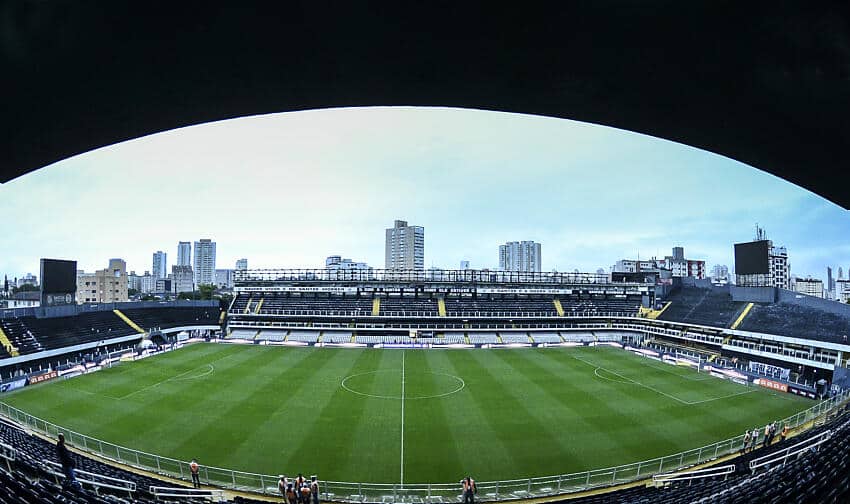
89 478
191 493
711 472
9 454
428 492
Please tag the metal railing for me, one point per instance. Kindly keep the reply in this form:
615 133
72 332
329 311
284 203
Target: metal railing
381 492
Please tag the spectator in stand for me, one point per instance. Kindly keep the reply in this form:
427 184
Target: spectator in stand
746 441
772 432
314 489
784 433
195 470
766 435
68 463
754 439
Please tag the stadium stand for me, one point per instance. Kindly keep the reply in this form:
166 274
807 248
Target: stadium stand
797 321
818 475
371 339
167 318
304 336
545 337
272 335
514 338
336 337
32 334
20 336
242 333
708 307
478 338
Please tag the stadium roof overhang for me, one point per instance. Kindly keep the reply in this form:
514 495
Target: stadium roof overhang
760 82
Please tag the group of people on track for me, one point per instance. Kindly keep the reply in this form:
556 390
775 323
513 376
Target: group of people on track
751 438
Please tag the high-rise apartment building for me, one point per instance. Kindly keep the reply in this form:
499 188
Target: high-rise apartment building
242 264
103 286
809 286
182 279
520 256
204 264
405 247
184 254
159 267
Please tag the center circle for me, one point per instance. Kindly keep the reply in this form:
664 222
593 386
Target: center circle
358 383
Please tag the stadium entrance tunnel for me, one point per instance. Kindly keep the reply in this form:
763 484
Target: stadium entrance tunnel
395 384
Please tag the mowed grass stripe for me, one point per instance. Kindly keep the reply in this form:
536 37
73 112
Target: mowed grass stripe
601 418
226 429
512 412
431 446
332 421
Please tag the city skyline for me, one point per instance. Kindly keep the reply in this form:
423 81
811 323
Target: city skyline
287 190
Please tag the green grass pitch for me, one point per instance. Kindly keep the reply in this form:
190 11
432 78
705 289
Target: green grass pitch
415 416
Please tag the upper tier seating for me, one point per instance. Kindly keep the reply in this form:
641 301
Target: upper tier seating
270 304
166 318
32 334
708 307
797 321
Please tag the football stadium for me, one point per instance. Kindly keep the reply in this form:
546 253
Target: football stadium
293 133
392 385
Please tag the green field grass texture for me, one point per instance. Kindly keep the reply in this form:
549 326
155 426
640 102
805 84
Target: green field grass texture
416 416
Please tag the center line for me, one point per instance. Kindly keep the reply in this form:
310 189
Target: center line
402 418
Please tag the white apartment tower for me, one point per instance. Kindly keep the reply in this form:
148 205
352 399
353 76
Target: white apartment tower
159 264
405 247
204 266
520 256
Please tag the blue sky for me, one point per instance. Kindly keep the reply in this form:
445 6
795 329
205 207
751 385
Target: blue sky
287 190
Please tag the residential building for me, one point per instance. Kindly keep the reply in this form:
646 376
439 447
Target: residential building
184 254
134 281
204 263
147 283
162 286
182 279
339 269
159 268
405 247
28 279
103 286
464 265
520 256
809 286
842 287
242 264
720 274
224 278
